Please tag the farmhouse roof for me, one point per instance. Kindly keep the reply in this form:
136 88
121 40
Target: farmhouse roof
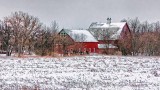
80 35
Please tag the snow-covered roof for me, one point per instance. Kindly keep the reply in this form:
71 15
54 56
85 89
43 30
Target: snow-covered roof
80 35
102 46
114 29
105 25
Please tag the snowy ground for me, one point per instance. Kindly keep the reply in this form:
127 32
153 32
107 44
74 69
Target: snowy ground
80 73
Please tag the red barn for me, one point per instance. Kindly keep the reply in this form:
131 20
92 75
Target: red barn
112 37
82 41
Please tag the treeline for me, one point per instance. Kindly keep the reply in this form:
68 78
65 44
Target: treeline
145 37
21 32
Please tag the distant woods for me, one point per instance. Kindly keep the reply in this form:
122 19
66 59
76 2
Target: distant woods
145 37
22 33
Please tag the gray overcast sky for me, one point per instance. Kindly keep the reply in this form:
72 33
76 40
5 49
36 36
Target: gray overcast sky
75 14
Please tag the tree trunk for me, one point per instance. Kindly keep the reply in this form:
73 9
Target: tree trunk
9 51
19 50
29 50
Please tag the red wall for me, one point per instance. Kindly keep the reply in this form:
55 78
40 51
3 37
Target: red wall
126 31
91 46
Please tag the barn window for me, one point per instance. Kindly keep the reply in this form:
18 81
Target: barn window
63 34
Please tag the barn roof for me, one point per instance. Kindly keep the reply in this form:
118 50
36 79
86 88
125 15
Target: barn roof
80 35
105 25
113 29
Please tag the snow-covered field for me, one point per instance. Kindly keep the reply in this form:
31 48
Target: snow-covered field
80 73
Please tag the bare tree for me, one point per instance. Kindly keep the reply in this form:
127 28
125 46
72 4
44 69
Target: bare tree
156 27
79 43
63 42
135 26
145 37
42 42
124 44
23 26
149 43
54 36
106 38
6 38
